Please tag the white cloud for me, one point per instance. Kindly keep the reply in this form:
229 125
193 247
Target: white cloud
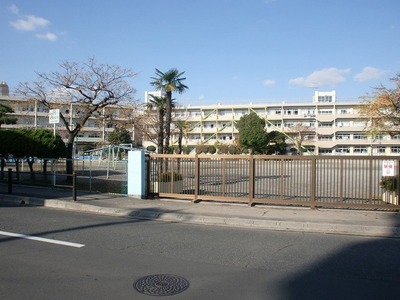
324 77
369 73
14 9
269 82
30 23
47 36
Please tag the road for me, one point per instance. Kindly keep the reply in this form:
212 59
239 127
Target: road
84 256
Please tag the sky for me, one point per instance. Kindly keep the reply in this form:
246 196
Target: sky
232 51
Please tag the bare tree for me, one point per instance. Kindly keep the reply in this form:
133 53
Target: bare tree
89 86
381 109
297 133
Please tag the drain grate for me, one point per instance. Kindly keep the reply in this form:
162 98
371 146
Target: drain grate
161 285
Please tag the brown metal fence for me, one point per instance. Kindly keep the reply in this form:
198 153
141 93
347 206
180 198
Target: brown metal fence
314 181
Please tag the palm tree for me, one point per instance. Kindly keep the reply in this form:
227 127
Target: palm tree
169 82
159 103
182 127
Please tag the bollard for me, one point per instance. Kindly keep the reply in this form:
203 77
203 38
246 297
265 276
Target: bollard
74 186
10 181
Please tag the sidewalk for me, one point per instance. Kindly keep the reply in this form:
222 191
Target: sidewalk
352 222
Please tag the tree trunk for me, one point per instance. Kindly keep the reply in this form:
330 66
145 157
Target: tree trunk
30 162
69 162
160 138
168 112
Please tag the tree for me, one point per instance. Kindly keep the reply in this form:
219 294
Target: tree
120 135
169 82
159 103
181 126
381 109
298 132
31 144
276 143
252 134
90 85
4 117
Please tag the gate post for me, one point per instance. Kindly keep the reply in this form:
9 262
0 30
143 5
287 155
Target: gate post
136 174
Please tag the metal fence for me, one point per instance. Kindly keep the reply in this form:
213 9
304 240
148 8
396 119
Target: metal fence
314 181
95 175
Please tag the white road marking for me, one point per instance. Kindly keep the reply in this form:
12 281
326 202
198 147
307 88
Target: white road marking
39 239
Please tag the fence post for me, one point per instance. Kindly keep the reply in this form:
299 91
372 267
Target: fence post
74 186
251 179
196 178
10 181
313 181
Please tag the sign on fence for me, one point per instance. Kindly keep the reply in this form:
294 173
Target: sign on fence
388 168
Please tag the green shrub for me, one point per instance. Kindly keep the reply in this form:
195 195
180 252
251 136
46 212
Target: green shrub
389 183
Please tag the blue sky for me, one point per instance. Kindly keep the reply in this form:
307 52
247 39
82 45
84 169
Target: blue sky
232 51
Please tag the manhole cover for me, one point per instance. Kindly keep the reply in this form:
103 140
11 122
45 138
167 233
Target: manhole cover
161 285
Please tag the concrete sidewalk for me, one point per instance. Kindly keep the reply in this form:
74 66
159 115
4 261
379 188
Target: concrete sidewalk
352 222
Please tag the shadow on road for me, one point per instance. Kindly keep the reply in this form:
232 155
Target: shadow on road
367 270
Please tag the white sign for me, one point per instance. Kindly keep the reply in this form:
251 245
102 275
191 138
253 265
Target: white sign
54 116
388 168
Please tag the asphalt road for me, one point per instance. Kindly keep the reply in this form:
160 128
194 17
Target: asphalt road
83 256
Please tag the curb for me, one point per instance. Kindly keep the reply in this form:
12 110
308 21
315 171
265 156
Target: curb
263 224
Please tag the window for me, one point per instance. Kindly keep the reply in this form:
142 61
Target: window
360 150
324 98
343 136
325 112
322 124
358 136
325 138
396 137
395 149
343 150
342 124
290 112
381 150
309 137
325 151
275 124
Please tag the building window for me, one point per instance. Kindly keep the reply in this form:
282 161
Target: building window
359 136
343 150
360 150
325 112
309 137
342 124
396 137
322 124
325 138
381 150
290 112
324 98
324 151
395 149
